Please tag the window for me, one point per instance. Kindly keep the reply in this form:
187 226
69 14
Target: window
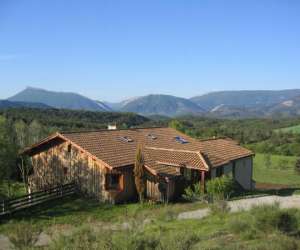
113 181
69 148
219 171
180 139
233 170
188 174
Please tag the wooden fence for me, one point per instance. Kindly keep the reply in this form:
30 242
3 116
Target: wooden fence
35 198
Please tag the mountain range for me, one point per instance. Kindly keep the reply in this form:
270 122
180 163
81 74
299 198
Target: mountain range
58 100
223 104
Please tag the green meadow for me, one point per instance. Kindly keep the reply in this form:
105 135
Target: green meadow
277 170
292 129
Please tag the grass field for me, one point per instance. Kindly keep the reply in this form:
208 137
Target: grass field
78 211
292 129
77 227
280 171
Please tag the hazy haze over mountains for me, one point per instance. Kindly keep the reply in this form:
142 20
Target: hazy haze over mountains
223 104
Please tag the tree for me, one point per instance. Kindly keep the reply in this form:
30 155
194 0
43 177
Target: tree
21 131
297 166
35 132
23 139
176 125
139 174
8 153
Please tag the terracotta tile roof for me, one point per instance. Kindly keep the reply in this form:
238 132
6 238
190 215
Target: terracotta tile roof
218 152
117 148
191 159
109 146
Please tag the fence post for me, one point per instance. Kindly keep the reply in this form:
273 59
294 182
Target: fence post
3 206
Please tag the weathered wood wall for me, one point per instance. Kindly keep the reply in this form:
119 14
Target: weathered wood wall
62 163
160 190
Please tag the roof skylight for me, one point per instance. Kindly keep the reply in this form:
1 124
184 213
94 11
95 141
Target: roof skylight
180 139
126 139
152 136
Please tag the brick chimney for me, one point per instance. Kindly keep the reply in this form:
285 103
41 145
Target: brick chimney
112 126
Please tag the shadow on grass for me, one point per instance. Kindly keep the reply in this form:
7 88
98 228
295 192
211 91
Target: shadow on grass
279 192
71 205
267 192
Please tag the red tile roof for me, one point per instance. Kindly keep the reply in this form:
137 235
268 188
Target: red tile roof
118 148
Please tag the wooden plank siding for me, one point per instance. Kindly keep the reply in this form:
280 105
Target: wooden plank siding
160 190
62 163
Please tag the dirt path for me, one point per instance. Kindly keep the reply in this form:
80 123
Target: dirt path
246 204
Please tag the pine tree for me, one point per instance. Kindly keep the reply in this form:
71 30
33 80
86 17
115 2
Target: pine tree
139 174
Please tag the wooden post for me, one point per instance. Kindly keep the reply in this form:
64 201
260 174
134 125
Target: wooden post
3 206
202 182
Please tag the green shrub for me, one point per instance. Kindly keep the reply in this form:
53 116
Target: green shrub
272 218
287 222
194 193
221 188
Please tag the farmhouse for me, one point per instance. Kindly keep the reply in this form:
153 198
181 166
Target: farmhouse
101 162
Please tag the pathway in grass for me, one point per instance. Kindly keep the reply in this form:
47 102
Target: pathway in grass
246 204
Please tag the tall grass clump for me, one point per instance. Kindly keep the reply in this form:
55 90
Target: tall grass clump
83 238
221 188
24 235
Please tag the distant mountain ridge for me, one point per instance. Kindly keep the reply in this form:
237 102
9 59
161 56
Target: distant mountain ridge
59 100
287 108
222 104
166 105
245 98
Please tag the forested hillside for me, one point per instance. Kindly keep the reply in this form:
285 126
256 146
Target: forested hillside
260 135
62 119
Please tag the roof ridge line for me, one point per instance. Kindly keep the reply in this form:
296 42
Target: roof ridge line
105 130
174 150
216 138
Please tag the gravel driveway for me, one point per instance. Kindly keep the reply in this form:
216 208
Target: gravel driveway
246 204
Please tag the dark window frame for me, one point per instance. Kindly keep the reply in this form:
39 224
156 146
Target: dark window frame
219 171
113 181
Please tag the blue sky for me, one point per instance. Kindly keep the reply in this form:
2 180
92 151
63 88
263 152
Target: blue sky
112 50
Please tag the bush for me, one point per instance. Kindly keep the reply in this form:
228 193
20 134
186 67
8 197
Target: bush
272 218
194 193
221 188
297 166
